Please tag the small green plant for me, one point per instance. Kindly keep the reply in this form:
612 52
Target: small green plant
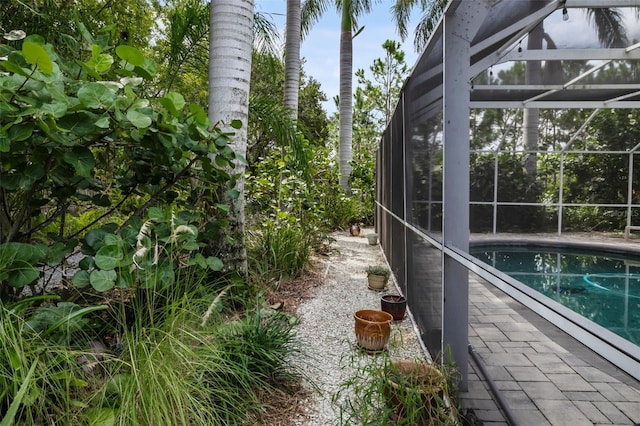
378 270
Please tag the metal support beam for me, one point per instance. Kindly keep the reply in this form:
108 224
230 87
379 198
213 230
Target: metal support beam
459 29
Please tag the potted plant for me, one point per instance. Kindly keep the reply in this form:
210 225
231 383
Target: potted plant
377 276
415 392
372 328
394 304
382 391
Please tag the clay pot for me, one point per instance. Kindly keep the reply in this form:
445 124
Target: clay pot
414 390
394 304
372 328
376 282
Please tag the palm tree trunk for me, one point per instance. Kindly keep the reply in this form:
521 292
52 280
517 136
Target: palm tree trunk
230 47
346 95
292 58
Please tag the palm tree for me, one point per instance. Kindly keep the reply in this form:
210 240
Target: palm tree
186 46
292 57
230 47
430 11
350 10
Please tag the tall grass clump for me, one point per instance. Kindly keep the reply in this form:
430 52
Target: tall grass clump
175 375
193 366
282 247
43 379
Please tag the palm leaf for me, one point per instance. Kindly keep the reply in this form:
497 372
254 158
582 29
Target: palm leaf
272 121
609 26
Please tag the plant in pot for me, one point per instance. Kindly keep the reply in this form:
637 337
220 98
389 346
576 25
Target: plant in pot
377 276
415 392
383 392
394 304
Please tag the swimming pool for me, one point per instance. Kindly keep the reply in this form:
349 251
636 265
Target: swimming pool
603 287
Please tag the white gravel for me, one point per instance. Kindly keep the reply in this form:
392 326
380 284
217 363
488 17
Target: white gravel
326 327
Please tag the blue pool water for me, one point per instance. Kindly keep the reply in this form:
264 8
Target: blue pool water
603 287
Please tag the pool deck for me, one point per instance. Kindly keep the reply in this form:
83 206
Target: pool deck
545 376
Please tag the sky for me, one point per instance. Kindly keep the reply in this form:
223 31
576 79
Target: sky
321 48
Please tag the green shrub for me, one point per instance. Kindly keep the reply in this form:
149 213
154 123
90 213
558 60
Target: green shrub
83 136
282 247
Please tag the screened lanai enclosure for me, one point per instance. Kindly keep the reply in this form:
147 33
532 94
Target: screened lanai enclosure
520 117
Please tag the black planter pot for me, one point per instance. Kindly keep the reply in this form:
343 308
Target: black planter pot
395 305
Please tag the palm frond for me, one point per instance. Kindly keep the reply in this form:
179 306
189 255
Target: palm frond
266 37
311 12
187 36
609 26
430 17
401 12
271 120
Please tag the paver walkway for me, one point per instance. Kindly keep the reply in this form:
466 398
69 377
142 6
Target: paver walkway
545 377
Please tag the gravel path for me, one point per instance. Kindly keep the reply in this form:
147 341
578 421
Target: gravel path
326 326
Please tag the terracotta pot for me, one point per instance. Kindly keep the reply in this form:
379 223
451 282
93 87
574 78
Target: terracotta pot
394 304
376 282
414 390
373 329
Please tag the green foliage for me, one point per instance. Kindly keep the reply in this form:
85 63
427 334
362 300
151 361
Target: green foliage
65 23
145 255
377 96
80 136
377 270
39 367
363 187
262 342
379 392
283 247
513 186
181 365
175 371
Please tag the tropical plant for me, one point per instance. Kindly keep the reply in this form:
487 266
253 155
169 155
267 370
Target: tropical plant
185 46
283 246
74 140
350 11
65 24
41 376
152 254
430 12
